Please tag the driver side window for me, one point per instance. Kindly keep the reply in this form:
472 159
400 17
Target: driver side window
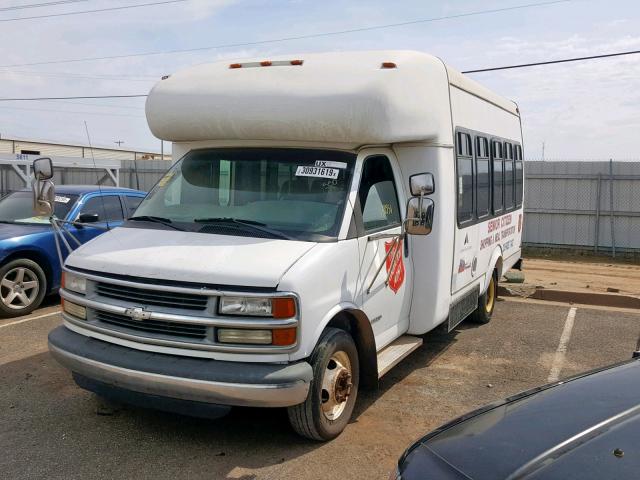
378 195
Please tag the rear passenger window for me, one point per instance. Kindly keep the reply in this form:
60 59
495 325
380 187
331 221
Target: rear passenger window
131 204
464 166
519 175
497 170
509 183
483 184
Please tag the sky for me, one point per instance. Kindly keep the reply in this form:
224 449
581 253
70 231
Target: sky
579 111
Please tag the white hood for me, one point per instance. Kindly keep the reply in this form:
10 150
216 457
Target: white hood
190 257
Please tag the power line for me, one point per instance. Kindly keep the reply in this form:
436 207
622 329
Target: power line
38 5
288 39
127 78
74 112
550 62
78 97
524 65
98 10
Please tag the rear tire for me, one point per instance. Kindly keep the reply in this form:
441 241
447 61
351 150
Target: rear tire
333 390
486 302
23 286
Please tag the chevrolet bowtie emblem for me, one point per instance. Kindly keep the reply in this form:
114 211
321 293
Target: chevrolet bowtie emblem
137 313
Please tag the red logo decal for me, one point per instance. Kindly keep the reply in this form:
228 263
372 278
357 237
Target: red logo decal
396 277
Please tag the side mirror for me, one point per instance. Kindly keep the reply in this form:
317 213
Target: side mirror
43 168
88 218
422 184
419 219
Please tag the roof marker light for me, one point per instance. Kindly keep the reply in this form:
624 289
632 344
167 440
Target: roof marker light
297 62
388 65
265 63
235 65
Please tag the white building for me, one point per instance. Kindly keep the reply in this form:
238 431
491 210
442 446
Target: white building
54 149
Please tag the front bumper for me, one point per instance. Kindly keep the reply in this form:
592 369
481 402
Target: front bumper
182 378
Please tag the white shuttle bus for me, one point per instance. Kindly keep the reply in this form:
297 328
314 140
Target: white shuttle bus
325 212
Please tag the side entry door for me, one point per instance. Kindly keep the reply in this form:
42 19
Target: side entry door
385 296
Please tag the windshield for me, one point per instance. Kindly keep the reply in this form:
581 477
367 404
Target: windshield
17 207
268 193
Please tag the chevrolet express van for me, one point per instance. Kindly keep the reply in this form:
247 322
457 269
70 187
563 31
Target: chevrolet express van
326 211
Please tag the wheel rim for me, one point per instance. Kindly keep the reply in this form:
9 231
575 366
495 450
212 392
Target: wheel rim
336 385
491 296
19 288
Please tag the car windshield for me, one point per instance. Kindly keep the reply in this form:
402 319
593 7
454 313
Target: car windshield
268 193
17 207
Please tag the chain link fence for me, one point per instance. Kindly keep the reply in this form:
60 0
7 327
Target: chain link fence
591 205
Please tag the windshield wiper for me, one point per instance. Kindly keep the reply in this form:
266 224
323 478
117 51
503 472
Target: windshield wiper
161 220
261 227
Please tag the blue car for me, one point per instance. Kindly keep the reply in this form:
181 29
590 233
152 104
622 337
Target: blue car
29 264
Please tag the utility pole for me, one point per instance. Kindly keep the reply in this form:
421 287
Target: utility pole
543 150
161 149
119 143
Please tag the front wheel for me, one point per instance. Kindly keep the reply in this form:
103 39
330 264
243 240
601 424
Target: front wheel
486 302
333 391
23 285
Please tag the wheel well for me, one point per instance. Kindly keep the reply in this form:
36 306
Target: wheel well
36 257
356 323
498 267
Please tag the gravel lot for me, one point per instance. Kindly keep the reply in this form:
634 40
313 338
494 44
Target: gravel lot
51 428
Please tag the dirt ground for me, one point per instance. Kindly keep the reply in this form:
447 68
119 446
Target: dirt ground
583 275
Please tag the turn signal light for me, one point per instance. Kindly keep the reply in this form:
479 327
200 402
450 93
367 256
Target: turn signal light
284 307
284 336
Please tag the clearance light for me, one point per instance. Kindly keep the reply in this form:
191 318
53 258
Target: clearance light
296 62
266 63
388 65
74 309
241 335
235 65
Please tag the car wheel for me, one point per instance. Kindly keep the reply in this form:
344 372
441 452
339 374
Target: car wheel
333 391
23 285
486 302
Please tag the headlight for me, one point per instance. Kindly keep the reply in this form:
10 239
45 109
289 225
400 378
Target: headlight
281 307
74 283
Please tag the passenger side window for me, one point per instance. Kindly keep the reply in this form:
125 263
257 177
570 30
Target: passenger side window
519 175
378 195
107 207
131 204
508 177
483 185
497 173
464 166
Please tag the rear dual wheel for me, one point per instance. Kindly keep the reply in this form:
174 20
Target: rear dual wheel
486 302
333 391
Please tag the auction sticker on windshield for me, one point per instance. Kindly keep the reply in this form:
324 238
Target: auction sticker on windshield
321 172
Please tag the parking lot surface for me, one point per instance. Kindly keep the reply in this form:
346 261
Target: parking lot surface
52 429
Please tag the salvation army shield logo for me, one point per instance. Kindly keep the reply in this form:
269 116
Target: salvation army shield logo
394 260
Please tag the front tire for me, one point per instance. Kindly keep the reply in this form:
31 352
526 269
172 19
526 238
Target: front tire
486 302
23 285
333 391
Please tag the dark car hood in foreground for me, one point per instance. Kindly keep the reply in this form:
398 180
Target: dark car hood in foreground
13 230
565 431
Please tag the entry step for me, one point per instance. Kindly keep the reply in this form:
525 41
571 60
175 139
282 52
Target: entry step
391 355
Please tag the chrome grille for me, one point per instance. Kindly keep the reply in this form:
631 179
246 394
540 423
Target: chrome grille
145 296
186 330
